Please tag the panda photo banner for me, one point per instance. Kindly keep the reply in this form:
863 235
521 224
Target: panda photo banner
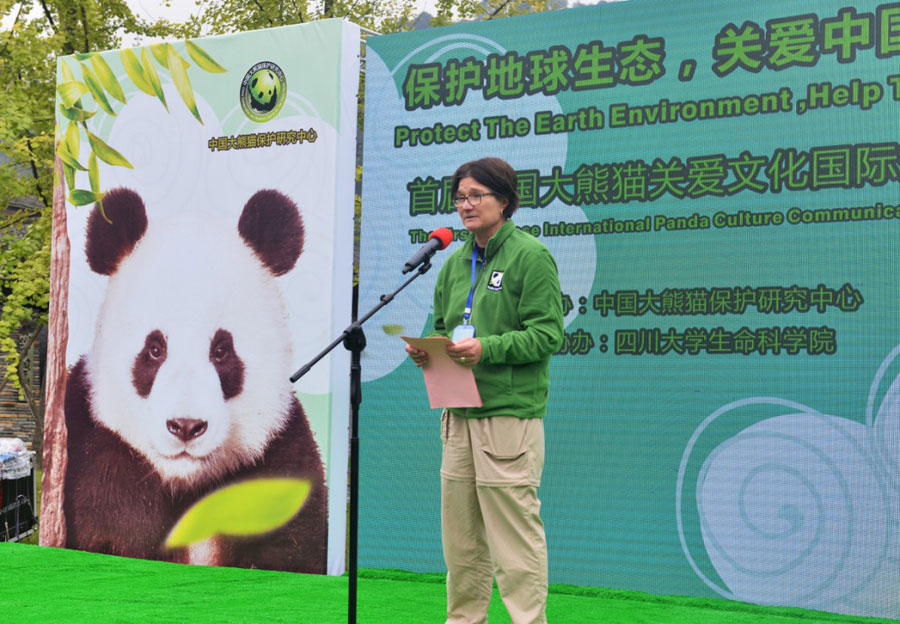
208 205
718 182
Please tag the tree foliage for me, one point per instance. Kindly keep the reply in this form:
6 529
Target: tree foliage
218 17
450 11
382 16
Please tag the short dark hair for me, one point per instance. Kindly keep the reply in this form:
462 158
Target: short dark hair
494 173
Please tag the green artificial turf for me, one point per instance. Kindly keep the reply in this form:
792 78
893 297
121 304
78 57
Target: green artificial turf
44 585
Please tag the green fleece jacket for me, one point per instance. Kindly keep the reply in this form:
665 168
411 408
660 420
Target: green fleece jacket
517 314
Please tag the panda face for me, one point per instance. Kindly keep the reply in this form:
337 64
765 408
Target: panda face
191 355
227 363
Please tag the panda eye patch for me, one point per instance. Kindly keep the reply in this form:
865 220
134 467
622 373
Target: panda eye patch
147 362
227 363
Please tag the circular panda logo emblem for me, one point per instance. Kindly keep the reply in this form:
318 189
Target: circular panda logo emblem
263 91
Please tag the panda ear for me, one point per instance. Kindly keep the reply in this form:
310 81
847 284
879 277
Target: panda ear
271 225
111 238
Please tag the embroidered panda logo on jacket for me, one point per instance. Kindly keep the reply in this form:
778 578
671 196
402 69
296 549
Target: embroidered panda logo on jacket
496 281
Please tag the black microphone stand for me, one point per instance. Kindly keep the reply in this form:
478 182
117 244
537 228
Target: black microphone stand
354 340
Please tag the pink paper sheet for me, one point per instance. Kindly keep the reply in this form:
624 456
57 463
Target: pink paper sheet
448 383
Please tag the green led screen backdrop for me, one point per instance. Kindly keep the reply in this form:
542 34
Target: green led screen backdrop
719 185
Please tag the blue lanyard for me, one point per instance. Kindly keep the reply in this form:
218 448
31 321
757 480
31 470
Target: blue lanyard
468 311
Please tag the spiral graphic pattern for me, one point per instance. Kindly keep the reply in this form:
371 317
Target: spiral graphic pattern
884 431
792 511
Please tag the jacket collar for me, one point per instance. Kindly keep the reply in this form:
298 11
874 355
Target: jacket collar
496 241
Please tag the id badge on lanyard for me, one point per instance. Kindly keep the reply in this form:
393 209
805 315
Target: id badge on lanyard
462 331
466 330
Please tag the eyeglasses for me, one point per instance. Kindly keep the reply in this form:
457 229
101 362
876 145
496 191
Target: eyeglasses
474 199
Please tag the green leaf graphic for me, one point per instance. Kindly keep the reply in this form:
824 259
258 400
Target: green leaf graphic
83 56
133 68
96 90
81 197
161 54
62 151
94 173
107 78
107 154
71 91
67 75
69 173
248 508
73 139
204 61
180 78
102 211
152 76
76 113
392 329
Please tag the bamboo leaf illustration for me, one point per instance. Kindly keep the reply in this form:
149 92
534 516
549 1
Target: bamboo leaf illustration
83 56
152 76
107 154
69 172
94 173
62 151
73 139
96 90
204 61
81 197
161 54
180 78
133 68
100 206
107 78
76 113
67 74
71 91
247 508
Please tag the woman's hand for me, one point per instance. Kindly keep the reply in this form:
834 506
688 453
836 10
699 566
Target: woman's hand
417 355
466 352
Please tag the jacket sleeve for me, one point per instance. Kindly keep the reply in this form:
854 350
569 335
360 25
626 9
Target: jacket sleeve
540 332
440 325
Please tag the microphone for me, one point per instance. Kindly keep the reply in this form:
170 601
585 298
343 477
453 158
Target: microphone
439 239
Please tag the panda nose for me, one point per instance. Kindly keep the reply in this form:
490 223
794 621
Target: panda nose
186 429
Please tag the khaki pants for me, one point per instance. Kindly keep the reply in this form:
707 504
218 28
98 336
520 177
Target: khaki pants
490 517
